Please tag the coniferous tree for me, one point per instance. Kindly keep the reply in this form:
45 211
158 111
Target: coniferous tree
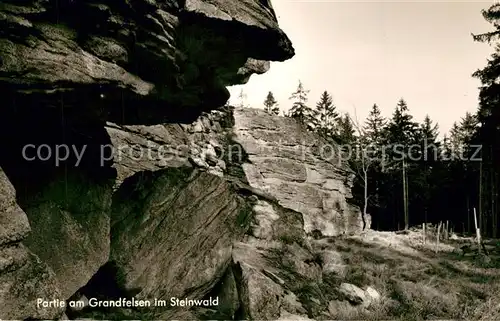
455 141
429 138
468 129
402 132
371 157
402 129
242 99
374 126
300 110
488 116
271 105
326 115
425 185
345 130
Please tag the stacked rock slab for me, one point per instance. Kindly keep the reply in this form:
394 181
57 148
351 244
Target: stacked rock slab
269 263
304 172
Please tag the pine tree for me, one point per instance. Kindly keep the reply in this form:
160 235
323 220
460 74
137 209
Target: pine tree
402 131
455 141
242 97
424 182
326 115
345 130
429 138
488 116
300 110
271 105
468 128
374 126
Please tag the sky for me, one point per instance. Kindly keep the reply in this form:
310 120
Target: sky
366 52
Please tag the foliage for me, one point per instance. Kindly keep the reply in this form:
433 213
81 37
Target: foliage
326 115
300 110
242 99
271 105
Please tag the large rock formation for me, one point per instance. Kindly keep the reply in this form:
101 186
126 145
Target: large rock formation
296 191
270 153
199 210
159 61
67 67
304 172
117 181
173 230
24 278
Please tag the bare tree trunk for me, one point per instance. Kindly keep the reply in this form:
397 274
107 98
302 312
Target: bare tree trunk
423 232
405 206
446 231
493 210
437 236
468 214
478 232
407 202
480 218
365 207
495 213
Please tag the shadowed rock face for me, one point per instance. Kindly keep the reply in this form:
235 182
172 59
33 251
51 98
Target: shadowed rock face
23 276
136 61
69 66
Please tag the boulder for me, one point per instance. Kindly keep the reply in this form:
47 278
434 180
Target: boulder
173 230
372 295
353 294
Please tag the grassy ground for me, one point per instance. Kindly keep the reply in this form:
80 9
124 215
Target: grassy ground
420 281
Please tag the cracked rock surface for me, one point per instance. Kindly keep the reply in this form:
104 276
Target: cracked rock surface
173 58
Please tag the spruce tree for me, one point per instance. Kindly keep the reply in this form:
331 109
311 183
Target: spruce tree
242 97
326 115
455 141
429 139
402 132
488 133
345 130
374 126
300 110
468 128
271 105
425 181
402 129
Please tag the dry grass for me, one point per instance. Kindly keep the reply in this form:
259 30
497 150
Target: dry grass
415 281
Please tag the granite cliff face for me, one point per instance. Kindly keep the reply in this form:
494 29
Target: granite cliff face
135 61
212 208
304 172
245 229
118 179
